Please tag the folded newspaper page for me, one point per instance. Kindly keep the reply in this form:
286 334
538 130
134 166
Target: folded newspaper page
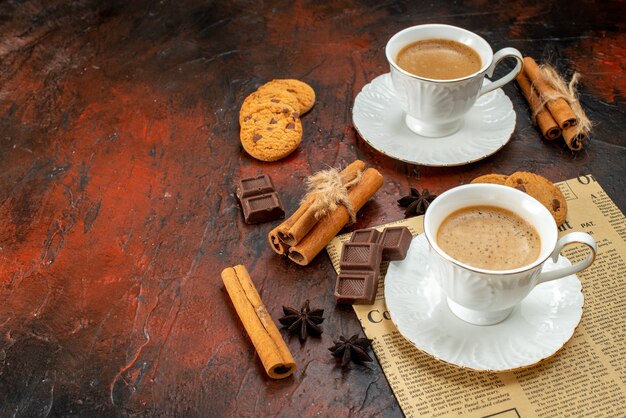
587 377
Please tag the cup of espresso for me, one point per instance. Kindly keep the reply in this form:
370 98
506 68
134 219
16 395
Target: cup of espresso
488 248
437 72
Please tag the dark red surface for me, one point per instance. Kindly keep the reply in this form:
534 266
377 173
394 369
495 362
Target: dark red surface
119 153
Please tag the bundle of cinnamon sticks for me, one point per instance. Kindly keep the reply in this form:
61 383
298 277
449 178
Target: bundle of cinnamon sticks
305 233
554 105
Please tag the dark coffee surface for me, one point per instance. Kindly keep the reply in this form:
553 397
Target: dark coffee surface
438 59
488 237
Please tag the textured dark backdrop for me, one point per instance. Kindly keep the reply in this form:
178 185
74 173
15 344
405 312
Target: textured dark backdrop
118 152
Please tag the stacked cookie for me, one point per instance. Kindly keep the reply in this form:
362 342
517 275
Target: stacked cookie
270 118
535 185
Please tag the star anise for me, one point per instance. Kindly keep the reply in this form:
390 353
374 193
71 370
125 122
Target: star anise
304 322
416 203
353 349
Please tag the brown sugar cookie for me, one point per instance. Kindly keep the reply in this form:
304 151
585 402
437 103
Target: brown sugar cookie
270 131
490 179
543 190
304 92
279 97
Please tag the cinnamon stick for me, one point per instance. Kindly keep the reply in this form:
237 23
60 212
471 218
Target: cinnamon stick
575 138
298 230
331 224
269 344
543 118
280 235
275 235
559 108
277 245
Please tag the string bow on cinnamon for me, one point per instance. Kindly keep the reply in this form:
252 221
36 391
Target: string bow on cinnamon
580 129
327 191
554 104
333 200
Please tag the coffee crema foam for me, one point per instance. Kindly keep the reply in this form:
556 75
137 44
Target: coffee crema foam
489 238
439 59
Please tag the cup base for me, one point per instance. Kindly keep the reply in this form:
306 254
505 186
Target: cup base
431 130
478 317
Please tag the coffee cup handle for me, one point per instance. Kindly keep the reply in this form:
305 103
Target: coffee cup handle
497 57
573 237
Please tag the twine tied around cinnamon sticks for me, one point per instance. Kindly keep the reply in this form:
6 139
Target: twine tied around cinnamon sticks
333 202
327 191
564 91
554 104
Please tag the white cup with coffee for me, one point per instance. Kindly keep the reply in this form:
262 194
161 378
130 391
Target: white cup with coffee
489 246
437 72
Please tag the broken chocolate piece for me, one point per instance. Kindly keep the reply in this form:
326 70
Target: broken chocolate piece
360 265
262 208
356 287
395 241
360 256
258 199
365 236
254 186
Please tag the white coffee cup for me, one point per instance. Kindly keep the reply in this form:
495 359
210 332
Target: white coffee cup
486 297
435 108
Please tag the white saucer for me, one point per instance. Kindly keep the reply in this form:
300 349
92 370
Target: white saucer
378 118
535 330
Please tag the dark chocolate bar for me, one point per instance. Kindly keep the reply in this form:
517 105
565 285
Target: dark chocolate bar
259 200
356 287
360 256
360 266
254 186
395 241
263 208
365 235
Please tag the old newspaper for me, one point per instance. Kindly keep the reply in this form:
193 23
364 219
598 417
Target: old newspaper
587 377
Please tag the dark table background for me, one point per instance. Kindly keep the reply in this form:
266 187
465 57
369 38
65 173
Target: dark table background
119 149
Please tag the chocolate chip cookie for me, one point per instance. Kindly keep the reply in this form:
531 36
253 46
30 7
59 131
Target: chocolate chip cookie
270 131
303 92
541 189
490 179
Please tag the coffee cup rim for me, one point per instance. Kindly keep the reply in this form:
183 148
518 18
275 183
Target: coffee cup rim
504 189
485 66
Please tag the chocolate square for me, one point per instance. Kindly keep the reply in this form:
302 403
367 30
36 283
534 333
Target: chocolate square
395 241
263 208
356 287
254 186
360 256
365 235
